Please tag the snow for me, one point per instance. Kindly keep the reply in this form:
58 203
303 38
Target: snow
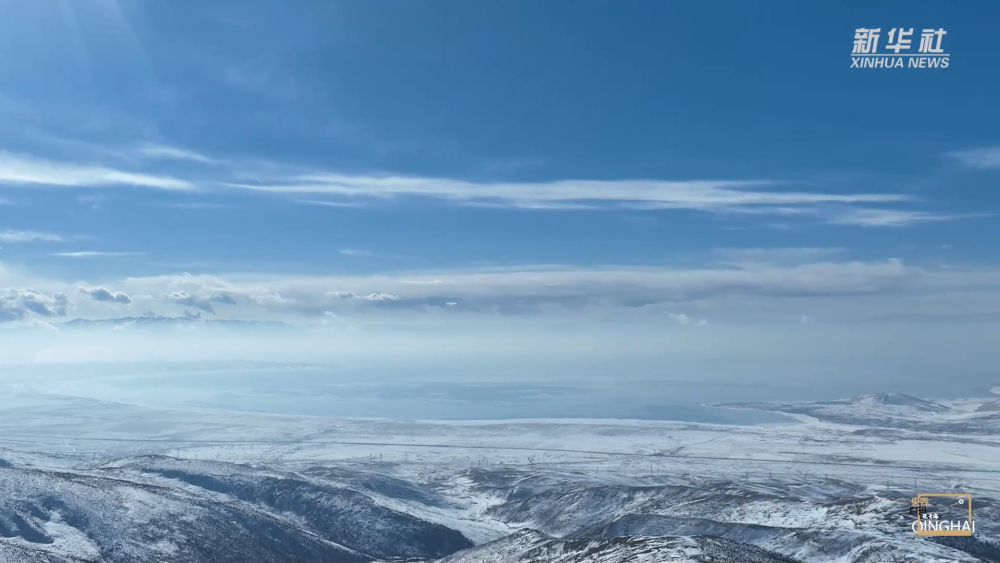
829 489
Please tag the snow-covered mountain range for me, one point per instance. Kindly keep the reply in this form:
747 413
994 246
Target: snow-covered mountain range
85 480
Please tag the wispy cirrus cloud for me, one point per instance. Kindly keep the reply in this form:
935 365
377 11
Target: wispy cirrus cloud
854 216
198 205
893 217
355 252
705 195
328 203
751 197
19 170
165 152
94 254
980 159
29 236
723 197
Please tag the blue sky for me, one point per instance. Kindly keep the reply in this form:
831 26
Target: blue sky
693 162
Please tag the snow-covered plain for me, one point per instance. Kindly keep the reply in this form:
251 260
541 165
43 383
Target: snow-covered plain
82 479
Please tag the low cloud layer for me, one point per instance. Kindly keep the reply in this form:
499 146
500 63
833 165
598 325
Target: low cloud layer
103 295
19 304
753 285
201 302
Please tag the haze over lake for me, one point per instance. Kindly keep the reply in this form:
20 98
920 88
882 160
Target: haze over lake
443 390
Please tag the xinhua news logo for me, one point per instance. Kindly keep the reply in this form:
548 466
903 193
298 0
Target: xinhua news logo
897 50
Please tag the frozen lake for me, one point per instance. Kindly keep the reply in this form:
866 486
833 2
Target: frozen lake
446 392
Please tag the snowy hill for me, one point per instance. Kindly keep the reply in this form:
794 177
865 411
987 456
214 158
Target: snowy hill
157 508
85 480
892 411
531 546
71 516
992 406
897 399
